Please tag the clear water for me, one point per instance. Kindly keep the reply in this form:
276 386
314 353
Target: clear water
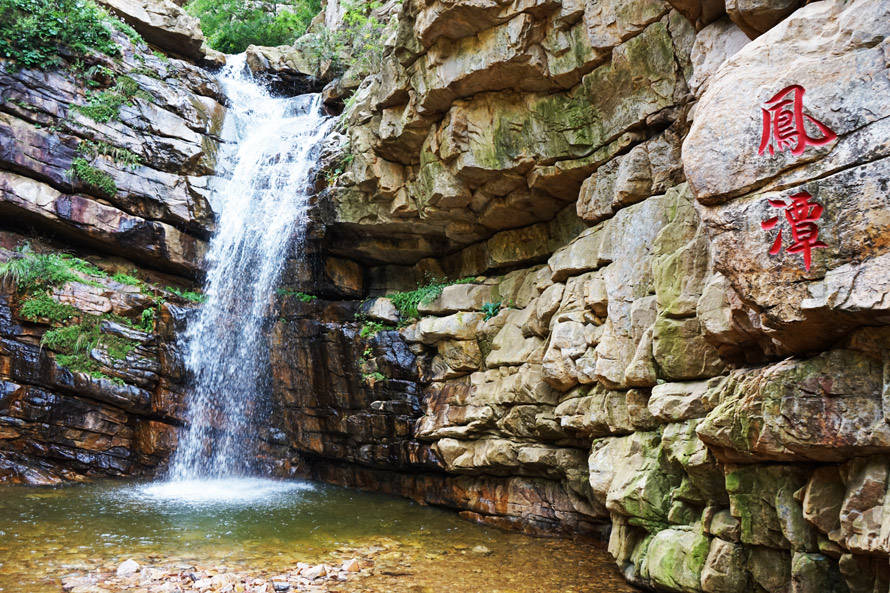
267 527
261 196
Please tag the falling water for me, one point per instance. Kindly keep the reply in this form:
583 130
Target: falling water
261 195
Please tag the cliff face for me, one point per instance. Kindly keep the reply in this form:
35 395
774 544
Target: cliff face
104 165
638 347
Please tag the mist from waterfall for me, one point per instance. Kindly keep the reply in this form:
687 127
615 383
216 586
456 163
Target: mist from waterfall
261 195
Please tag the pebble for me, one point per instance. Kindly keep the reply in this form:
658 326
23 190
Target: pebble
127 567
351 565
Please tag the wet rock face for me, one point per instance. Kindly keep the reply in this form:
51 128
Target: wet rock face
127 190
58 424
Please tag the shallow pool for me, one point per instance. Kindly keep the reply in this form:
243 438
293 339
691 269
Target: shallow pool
267 526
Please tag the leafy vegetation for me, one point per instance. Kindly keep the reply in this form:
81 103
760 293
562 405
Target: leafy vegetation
127 279
407 302
303 297
358 44
147 320
188 295
100 180
43 306
375 377
73 343
122 156
231 25
371 328
491 309
33 31
38 272
104 106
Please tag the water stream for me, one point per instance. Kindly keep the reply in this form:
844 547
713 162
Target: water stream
261 195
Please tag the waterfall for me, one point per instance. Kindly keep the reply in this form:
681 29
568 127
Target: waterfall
261 194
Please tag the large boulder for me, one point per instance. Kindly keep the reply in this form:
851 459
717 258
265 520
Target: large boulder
829 59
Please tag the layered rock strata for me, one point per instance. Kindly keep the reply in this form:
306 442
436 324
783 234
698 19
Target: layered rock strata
104 171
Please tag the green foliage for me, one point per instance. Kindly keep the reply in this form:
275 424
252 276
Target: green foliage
126 279
357 45
147 320
375 377
231 25
104 106
160 56
43 306
407 302
100 180
122 156
33 31
491 309
188 295
371 328
73 344
38 272
303 297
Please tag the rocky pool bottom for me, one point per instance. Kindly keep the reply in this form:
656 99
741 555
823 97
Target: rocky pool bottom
261 535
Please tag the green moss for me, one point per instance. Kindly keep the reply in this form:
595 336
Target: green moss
43 306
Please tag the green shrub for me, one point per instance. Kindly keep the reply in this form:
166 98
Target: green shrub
33 31
73 344
375 377
43 306
147 320
37 272
231 25
357 44
303 297
407 302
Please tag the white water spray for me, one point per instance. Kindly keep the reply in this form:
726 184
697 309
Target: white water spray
262 196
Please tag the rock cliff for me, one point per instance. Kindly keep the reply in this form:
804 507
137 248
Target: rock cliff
104 217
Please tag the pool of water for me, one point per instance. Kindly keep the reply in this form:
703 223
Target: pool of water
267 526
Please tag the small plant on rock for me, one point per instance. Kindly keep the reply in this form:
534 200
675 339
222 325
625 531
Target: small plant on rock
93 177
407 302
491 309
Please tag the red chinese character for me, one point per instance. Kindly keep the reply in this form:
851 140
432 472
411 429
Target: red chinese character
783 124
802 215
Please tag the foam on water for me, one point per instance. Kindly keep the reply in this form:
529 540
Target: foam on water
228 491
